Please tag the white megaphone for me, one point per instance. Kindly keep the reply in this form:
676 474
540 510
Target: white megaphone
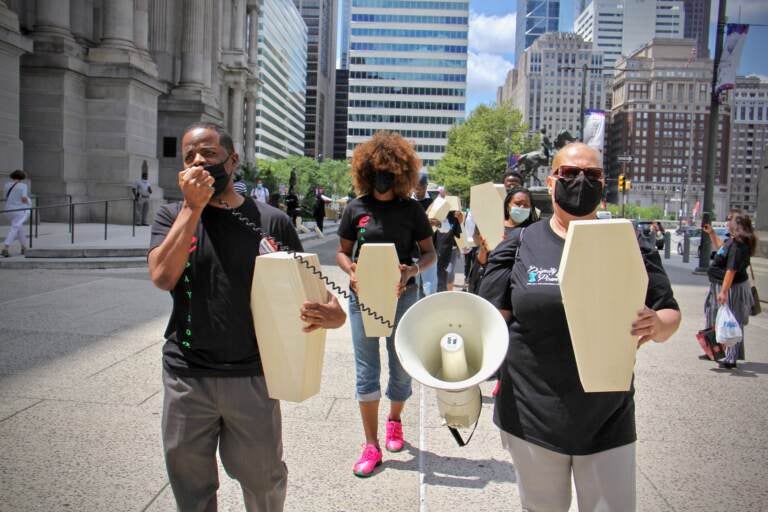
453 341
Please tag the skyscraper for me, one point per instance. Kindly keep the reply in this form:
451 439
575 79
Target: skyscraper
320 17
534 18
749 139
346 7
660 116
619 27
697 24
546 85
407 71
280 107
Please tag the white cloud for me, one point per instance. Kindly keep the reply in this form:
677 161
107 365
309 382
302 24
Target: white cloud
485 73
492 34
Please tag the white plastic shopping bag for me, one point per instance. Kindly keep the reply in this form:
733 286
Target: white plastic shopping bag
727 330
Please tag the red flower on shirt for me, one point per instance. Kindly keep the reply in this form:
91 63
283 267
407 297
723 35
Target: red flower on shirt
192 245
363 221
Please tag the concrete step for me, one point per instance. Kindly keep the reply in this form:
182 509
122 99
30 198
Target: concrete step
73 263
88 252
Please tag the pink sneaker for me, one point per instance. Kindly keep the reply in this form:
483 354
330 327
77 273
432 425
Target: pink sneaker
368 461
394 436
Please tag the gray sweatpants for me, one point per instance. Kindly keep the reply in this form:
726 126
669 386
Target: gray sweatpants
605 481
236 414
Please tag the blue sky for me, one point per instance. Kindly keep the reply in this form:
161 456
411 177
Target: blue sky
492 36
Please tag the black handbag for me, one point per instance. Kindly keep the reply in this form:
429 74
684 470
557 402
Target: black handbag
756 307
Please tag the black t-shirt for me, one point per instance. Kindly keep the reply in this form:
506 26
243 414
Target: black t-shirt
210 332
426 202
732 255
541 398
291 203
400 221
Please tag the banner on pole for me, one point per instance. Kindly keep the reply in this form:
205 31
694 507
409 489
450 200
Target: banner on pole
735 35
594 130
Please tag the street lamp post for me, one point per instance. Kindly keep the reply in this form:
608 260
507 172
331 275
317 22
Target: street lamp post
584 69
709 173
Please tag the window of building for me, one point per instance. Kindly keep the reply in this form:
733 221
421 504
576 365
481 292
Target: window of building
169 147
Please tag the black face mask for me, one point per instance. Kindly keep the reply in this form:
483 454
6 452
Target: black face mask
383 181
579 196
220 176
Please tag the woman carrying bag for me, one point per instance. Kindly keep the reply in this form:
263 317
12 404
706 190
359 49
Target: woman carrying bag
729 282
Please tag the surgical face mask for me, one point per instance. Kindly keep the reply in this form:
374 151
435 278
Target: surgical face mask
383 181
518 214
259 185
220 176
578 196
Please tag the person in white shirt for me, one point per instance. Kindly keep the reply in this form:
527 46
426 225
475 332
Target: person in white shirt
142 191
260 192
15 193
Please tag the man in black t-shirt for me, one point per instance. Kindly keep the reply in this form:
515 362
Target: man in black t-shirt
203 250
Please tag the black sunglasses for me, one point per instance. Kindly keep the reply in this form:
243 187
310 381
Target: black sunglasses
570 172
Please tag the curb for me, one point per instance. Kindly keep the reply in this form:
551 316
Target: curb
99 258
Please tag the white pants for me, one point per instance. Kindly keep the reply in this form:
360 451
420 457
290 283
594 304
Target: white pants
605 481
16 232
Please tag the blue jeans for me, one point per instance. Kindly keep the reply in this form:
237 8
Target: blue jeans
367 360
428 279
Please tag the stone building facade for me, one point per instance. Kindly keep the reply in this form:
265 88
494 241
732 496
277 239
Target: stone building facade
106 85
660 117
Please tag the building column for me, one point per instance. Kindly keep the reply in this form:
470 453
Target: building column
253 35
193 37
238 25
52 17
250 126
237 116
141 26
226 24
117 24
81 14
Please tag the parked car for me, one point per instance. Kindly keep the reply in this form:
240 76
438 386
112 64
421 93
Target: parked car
695 237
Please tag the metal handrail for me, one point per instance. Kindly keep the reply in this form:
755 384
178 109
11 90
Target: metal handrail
35 215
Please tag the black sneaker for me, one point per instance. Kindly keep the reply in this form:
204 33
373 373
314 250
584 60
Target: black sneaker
5 253
704 357
726 365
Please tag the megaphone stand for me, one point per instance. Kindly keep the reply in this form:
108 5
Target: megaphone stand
453 341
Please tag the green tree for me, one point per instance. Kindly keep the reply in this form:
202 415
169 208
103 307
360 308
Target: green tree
478 149
632 211
333 175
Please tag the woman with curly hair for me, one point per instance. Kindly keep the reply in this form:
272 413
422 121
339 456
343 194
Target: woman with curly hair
384 171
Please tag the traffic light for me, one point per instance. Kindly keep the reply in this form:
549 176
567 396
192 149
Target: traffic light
621 183
627 185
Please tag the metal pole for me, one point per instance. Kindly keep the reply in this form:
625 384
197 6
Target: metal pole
667 243
106 213
583 98
709 173
133 217
624 188
72 222
31 223
36 217
69 201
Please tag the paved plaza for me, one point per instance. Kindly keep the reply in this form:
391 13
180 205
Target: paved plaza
80 405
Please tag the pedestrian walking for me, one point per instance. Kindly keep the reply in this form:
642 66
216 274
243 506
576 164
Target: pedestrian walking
319 210
239 185
260 193
555 431
384 171
292 205
142 193
447 250
16 197
427 276
203 252
728 279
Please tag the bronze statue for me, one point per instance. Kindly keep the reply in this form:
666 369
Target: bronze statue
528 163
